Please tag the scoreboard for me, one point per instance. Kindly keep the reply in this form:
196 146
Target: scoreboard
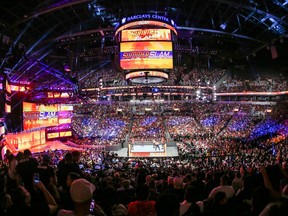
145 34
146 55
146 47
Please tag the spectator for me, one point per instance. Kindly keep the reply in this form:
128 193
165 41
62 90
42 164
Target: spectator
126 192
66 166
81 193
25 168
220 205
153 191
66 200
46 171
110 203
26 203
237 182
177 189
189 206
224 187
142 206
276 208
167 205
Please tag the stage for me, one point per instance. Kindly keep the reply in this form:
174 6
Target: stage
35 141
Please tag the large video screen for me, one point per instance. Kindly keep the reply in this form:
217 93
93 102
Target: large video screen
38 116
146 55
59 131
2 127
7 94
7 87
146 35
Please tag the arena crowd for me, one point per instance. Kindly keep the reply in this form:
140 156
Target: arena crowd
232 161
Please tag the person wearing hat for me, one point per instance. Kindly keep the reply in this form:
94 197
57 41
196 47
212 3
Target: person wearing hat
81 192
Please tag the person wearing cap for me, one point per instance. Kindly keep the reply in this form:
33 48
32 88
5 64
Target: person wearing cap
81 192
66 200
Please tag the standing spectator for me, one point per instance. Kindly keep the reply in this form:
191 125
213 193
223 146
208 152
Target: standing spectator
224 187
142 206
177 188
82 193
66 200
153 191
12 173
25 168
167 205
46 172
39 202
237 182
76 156
110 203
66 166
141 173
126 192
220 205
189 206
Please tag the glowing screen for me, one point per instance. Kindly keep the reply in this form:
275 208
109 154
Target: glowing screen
146 34
146 55
52 135
36 116
7 87
7 108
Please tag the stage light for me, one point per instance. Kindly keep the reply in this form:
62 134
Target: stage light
223 26
66 68
236 109
155 90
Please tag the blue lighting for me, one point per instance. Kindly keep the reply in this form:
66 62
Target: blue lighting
155 90
210 121
223 26
266 127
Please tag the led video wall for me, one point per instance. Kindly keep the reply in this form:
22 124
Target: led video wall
38 116
146 35
6 95
2 127
59 131
146 55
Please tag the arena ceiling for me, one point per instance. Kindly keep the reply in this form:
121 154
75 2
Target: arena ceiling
40 39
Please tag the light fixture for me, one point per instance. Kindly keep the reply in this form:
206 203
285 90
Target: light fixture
223 26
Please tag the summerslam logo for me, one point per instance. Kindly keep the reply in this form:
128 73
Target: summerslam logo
146 34
40 115
146 54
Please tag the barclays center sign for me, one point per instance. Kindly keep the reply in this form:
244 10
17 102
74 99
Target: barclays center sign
147 16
